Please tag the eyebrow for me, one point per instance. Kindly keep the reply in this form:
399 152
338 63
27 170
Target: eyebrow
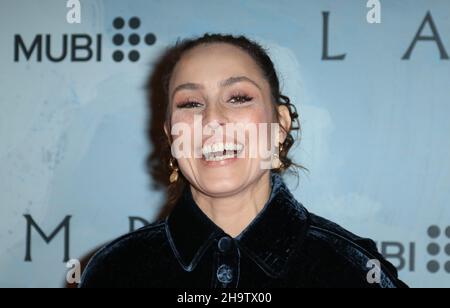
224 83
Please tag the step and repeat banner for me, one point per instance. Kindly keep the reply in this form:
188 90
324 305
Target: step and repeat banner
370 79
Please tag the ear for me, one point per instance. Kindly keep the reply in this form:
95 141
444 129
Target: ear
285 121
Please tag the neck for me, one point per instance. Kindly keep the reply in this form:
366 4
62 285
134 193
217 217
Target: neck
235 212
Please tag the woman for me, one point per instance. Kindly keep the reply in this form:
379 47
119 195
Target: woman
234 222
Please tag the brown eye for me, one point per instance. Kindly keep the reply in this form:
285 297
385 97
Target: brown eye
240 99
189 105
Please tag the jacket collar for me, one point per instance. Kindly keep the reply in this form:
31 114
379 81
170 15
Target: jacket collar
270 240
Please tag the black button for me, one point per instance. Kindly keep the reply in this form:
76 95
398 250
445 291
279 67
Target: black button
224 244
225 274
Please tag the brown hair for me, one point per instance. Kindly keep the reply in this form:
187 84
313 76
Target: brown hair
158 160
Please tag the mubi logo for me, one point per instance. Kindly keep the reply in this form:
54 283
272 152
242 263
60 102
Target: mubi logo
83 47
434 249
133 39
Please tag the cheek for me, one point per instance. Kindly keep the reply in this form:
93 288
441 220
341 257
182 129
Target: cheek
263 139
182 117
182 134
180 121
254 115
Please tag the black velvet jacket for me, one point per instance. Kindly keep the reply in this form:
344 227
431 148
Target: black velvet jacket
284 246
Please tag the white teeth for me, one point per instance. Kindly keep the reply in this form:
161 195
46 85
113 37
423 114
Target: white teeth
217 147
217 158
214 152
233 146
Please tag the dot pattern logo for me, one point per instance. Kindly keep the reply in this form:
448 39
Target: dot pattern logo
134 39
434 249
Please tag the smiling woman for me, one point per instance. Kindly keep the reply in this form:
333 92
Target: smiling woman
232 223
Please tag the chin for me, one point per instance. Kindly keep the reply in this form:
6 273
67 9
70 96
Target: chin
220 185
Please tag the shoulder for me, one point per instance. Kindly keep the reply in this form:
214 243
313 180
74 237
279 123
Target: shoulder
348 256
120 256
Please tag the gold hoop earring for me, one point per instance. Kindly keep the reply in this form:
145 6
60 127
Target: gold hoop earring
276 162
174 175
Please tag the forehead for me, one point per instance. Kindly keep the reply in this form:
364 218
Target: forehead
209 63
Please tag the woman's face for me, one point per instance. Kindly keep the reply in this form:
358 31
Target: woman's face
221 85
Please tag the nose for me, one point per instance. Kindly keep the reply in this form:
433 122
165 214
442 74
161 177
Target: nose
214 117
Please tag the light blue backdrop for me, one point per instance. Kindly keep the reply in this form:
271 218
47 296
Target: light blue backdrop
375 127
